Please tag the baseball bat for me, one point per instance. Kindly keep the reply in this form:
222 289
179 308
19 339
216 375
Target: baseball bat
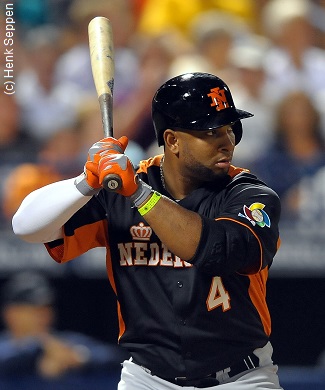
101 48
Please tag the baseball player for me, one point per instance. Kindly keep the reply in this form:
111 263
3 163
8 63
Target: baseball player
189 239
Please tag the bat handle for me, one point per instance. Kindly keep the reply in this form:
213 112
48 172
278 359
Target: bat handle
112 182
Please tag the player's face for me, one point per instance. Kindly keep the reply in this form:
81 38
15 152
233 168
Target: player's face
206 155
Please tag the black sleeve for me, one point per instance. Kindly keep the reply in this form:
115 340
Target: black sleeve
237 240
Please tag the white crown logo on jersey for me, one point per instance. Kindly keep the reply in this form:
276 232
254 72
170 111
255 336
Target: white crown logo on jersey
141 232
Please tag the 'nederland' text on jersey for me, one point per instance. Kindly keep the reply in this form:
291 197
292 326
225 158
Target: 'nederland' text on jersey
150 254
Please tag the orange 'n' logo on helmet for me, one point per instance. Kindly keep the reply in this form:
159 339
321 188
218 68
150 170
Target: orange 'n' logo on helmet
219 100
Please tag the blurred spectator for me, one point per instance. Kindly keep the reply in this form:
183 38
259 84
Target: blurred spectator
137 8
30 345
32 13
166 54
298 150
20 182
294 61
250 91
74 67
61 152
159 16
16 145
89 130
311 202
35 13
317 20
213 34
56 160
132 115
61 156
46 103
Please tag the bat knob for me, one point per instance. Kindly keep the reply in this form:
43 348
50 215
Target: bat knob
112 182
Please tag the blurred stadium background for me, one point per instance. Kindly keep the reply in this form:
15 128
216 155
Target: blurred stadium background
272 55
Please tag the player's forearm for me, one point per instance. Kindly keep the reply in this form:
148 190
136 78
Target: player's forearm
178 228
43 212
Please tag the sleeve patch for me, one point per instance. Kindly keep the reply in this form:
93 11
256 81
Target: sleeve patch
256 215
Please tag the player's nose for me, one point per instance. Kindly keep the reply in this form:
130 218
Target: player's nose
227 141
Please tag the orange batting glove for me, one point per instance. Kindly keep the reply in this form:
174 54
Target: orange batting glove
88 183
120 165
107 157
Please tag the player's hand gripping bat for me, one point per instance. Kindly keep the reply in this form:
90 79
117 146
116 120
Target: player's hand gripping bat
102 63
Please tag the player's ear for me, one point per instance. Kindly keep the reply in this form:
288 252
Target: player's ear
171 140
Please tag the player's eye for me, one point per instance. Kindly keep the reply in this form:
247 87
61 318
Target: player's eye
211 133
219 132
230 131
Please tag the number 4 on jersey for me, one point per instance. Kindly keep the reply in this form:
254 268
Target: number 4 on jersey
218 296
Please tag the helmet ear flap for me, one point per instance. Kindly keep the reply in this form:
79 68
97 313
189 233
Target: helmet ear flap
160 125
237 128
161 122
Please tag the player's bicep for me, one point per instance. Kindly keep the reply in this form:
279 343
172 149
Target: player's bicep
244 238
225 248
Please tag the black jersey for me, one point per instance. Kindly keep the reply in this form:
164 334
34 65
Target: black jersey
181 318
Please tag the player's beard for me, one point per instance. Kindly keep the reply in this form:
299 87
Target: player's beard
200 173
203 174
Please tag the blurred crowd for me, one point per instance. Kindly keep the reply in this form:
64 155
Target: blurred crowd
271 53
31 346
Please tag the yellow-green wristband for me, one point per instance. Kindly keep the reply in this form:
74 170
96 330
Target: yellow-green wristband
150 203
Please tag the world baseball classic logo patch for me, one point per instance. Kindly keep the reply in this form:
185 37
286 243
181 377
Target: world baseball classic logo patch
256 215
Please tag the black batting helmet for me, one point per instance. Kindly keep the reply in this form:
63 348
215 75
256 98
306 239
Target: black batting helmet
195 101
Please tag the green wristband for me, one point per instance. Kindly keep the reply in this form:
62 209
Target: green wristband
150 203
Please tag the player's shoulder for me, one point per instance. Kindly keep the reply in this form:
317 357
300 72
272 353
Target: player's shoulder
144 165
241 177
